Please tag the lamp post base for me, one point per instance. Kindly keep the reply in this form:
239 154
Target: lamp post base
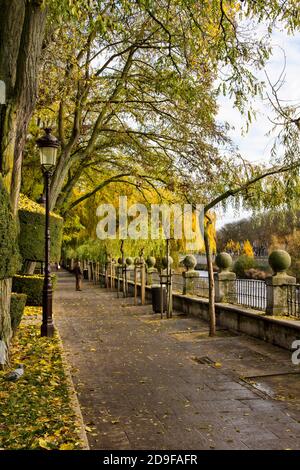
47 327
47 330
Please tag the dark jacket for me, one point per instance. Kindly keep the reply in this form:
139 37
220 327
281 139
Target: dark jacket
77 271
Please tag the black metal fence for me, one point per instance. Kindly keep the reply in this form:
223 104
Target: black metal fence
293 299
249 293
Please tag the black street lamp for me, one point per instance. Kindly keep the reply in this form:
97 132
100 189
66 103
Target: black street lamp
48 145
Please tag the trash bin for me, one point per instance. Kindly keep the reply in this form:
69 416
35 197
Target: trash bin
85 274
156 298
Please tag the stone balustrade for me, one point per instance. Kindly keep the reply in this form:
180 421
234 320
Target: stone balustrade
144 271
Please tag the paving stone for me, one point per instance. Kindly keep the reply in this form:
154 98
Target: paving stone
140 386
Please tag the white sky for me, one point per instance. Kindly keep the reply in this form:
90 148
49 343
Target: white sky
255 145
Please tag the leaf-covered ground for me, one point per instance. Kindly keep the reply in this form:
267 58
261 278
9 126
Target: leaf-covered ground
35 411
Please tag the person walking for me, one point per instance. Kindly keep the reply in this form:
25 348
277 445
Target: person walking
78 275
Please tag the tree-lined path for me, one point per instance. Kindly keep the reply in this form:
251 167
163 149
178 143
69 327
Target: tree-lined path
141 383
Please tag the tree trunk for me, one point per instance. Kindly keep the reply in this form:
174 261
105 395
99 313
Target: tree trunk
211 285
25 91
59 177
22 24
65 194
5 322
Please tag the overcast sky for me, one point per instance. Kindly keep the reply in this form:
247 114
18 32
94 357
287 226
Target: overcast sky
255 145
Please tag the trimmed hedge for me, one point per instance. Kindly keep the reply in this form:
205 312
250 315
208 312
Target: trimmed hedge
32 286
17 305
9 253
32 231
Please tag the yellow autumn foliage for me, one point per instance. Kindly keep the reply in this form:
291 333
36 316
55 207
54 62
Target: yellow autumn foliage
247 249
35 411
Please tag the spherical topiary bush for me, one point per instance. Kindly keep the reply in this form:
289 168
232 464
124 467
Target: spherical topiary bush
190 262
129 261
279 260
242 264
151 260
165 261
223 261
120 260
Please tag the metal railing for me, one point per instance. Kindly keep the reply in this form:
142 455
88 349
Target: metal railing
249 293
293 299
177 282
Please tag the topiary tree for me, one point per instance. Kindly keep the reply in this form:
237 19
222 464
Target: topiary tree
32 227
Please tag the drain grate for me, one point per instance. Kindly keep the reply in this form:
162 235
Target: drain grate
203 360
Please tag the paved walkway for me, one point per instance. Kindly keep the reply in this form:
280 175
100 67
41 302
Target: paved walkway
146 383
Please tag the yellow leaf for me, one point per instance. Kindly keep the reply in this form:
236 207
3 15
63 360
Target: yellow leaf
43 443
66 446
